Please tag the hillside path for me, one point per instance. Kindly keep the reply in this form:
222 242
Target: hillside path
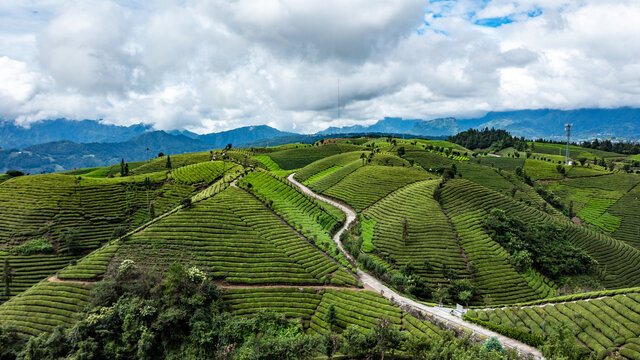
442 314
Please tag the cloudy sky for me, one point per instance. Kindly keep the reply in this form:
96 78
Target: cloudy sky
215 65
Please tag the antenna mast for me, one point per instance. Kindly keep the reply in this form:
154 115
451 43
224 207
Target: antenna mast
338 98
567 127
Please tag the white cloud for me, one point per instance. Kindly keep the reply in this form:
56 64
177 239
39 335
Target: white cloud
218 65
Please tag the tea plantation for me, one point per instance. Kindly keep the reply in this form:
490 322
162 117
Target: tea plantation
346 240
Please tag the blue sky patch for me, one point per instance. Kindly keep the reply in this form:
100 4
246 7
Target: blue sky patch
494 22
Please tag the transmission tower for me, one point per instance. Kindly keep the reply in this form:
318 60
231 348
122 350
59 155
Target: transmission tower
567 127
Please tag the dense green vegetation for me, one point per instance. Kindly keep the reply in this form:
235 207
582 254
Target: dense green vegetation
541 246
482 139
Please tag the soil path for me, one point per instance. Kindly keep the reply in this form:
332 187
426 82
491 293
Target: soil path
443 314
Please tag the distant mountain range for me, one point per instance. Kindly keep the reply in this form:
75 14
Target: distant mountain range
61 144
620 123
67 151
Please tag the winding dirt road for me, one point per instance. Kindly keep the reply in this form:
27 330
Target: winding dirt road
442 314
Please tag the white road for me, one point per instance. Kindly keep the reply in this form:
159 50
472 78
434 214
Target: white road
442 314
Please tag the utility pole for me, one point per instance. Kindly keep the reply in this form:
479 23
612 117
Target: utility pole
567 127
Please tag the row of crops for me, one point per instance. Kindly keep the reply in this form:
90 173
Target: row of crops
206 172
324 165
45 306
428 242
177 161
237 239
603 325
300 157
594 212
335 177
465 202
359 308
368 184
92 266
29 270
627 209
618 258
314 219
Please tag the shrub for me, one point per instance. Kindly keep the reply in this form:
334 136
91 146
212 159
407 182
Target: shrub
35 246
493 345
14 173
186 202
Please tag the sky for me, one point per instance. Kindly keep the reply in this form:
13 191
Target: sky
208 66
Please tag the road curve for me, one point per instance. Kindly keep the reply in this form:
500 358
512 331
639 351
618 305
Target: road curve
442 314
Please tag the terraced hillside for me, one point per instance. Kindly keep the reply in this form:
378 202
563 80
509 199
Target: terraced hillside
496 278
45 306
428 242
315 220
368 184
318 169
468 204
76 214
609 324
296 158
359 308
592 198
627 209
239 240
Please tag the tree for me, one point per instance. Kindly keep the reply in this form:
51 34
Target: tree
71 241
387 336
186 202
465 297
6 277
493 345
160 154
571 209
401 151
331 344
152 211
330 315
168 162
461 290
405 231
122 167
14 173
126 169
363 157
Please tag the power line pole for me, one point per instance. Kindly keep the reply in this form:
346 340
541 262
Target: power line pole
567 127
